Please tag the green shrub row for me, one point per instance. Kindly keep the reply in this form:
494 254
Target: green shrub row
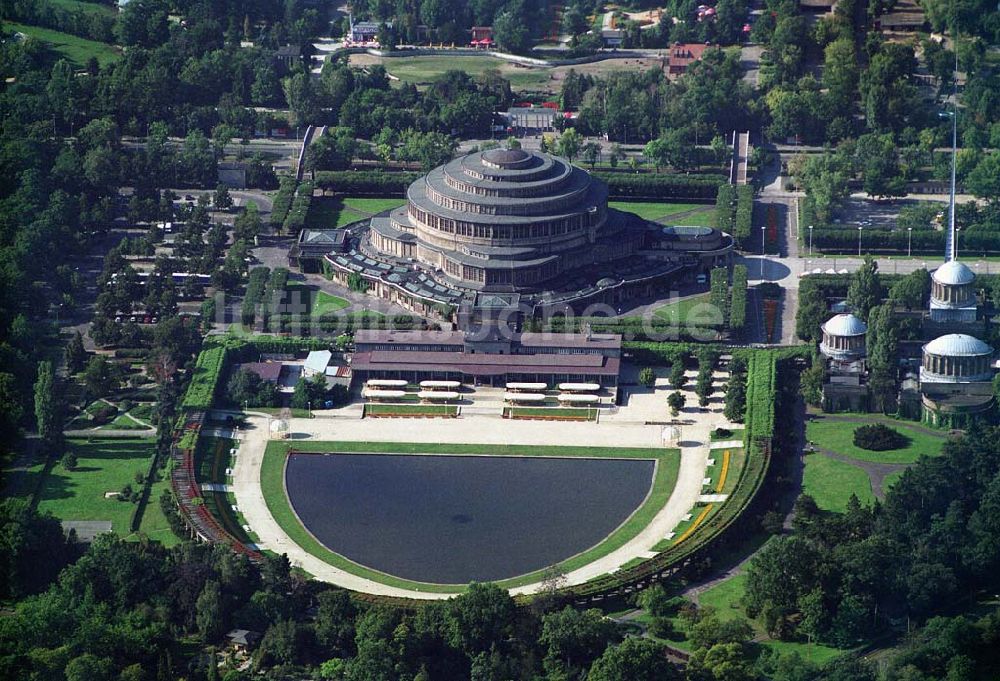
274 290
738 300
718 291
296 218
282 201
254 294
734 212
845 240
647 353
744 215
366 181
761 377
341 322
661 186
208 368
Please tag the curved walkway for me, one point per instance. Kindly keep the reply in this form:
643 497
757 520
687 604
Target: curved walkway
479 429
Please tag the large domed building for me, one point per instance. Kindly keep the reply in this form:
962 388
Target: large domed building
845 384
953 294
507 228
844 338
956 374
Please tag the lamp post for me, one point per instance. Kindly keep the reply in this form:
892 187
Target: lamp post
810 241
310 405
763 250
909 241
859 240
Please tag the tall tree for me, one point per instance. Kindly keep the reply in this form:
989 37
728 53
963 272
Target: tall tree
865 290
48 407
881 342
76 354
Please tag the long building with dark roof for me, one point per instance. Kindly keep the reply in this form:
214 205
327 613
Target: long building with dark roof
489 356
530 224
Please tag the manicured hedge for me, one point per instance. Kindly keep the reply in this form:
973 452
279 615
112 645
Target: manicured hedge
649 353
282 201
761 377
296 218
734 212
205 378
931 242
274 290
366 181
633 328
738 300
718 295
744 215
661 186
254 295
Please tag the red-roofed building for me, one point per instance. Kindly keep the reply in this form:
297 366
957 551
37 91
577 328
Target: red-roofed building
482 36
683 55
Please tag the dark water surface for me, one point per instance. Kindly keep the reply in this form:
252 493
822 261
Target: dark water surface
455 519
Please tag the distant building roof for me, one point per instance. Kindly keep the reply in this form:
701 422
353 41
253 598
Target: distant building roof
318 360
243 637
486 364
684 54
290 51
332 237
268 371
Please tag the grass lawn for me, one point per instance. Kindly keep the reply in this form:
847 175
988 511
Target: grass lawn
411 409
123 422
154 524
104 465
73 48
328 211
424 70
734 434
724 598
891 479
273 486
88 7
831 483
669 213
679 311
325 303
839 437
371 206
555 412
